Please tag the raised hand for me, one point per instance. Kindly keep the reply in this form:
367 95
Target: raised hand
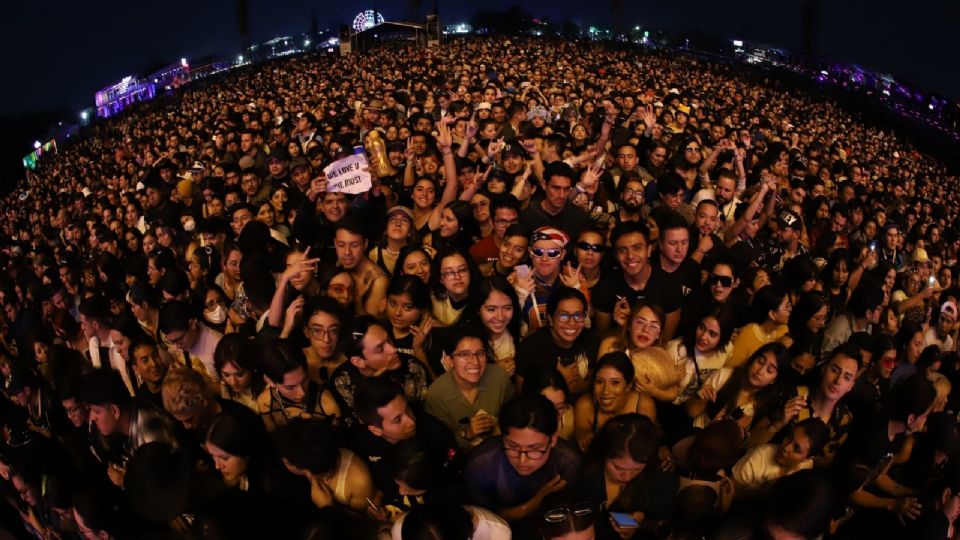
648 117
472 127
570 276
591 175
444 137
495 147
421 331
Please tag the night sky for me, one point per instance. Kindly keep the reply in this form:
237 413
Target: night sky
58 53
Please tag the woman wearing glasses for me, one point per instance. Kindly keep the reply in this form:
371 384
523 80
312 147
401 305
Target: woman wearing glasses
642 330
612 395
566 344
467 398
453 278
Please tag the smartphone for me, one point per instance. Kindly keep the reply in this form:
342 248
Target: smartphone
931 280
522 270
624 520
873 245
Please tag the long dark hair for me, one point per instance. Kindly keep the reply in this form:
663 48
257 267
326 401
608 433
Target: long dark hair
238 350
238 435
808 304
725 317
486 287
437 285
765 300
468 228
727 396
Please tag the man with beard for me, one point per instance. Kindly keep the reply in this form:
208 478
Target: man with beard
725 195
706 222
787 244
630 207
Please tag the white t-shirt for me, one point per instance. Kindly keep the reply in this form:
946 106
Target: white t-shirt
759 466
489 526
930 337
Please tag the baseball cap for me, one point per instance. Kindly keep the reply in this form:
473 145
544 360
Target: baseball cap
789 218
400 211
298 163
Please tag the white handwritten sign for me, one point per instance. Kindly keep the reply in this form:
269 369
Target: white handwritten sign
347 175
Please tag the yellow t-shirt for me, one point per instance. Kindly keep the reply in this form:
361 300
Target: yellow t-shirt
751 338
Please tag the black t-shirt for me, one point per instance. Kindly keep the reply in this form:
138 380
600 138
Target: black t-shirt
675 286
866 453
571 220
613 286
540 352
378 453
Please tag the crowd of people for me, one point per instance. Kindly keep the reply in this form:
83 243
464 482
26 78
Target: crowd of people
592 292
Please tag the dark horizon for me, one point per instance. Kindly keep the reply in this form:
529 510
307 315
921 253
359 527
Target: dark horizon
57 71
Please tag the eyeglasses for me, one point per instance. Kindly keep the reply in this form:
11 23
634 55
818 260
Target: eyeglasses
324 334
533 453
449 274
577 317
467 355
642 324
76 409
558 515
628 193
552 253
505 222
724 281
176 341
586 246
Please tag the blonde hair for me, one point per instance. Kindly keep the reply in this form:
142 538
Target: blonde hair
184 389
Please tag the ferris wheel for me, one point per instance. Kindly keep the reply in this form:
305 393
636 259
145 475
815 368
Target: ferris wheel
367 19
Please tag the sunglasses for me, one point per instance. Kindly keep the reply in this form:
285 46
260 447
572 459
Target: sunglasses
725 281
557 515
552 253
586 246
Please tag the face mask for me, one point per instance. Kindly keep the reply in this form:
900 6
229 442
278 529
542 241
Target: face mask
217 316
189 224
